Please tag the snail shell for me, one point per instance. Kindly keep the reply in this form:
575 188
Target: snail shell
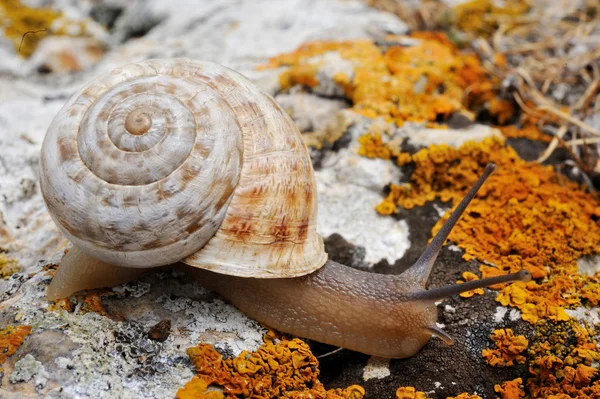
168 160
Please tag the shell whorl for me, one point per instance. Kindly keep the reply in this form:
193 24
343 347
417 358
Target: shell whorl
169 160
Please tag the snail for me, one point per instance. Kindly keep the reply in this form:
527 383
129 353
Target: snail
178 160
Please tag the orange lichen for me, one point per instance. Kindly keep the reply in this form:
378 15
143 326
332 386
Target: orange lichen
412 393
409 393
482 17
93 303
279 368
61 304
464 396
425 82
371 146
403 158
564 364
197 388
302 75
530 131
509 349
525 216
503 110
11 338
468 276
8 266
511 389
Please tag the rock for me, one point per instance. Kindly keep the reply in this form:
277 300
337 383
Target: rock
331 64
343 252
106 13
418 136
160 331
310 113
376 368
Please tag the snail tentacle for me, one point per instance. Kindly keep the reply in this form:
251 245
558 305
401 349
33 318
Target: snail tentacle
441 334
420 271
435 294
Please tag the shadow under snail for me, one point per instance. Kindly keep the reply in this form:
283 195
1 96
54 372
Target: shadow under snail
178 160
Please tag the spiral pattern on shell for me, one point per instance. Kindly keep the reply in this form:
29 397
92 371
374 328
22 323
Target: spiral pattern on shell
143 166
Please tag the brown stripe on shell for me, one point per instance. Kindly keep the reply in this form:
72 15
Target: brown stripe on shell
67 150
270 228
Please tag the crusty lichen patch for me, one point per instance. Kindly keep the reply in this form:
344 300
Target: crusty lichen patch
409 393
412 393
424 82
525 216
528 131
423 77
465 395
279 368
372 146
93 303
483 17
509 349
11 338
510 389
8 266
565 361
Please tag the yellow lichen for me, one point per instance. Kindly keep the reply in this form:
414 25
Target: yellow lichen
11 338
509 349
8 266
27 26
421 83
529 131
525 216
409 393
464 396
503 110
279 368
510 389
93 303
197 388
371 146
425 82
482 17
468 276
61 304
566 355
302 75
412 393
403 158
17 19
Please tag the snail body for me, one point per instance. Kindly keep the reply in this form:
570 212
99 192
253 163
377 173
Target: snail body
178 160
